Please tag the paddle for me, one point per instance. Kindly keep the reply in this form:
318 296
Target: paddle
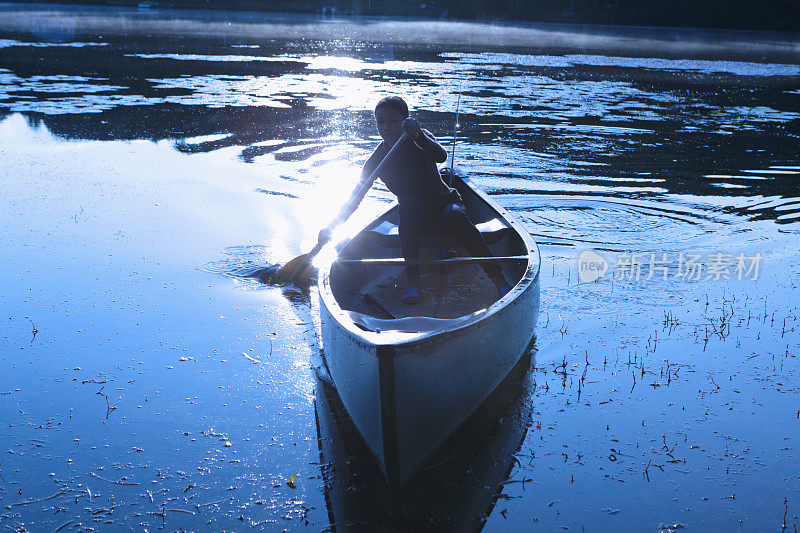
298 267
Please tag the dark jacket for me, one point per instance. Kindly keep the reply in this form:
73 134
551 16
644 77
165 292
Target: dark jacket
412 172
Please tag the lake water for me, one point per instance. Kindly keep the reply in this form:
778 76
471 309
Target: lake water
153 159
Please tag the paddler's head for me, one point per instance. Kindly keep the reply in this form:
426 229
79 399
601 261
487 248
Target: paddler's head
389 116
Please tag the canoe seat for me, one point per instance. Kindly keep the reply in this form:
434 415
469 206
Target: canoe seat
386 234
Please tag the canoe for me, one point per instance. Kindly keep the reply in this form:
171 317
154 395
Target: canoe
409 375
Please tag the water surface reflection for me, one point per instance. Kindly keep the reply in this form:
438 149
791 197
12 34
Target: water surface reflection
225 141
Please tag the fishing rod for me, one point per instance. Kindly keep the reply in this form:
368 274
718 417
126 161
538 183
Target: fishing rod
455 132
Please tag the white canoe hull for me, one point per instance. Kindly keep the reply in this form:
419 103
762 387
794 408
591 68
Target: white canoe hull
406 401
406 392
455 490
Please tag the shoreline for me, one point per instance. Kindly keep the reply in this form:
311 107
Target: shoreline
743 18
59 21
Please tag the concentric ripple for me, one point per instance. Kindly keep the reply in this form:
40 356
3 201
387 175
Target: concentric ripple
616 224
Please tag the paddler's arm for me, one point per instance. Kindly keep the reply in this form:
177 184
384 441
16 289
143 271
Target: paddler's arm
361 189
425 141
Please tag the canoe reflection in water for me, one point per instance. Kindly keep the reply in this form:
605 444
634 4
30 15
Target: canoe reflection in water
458 487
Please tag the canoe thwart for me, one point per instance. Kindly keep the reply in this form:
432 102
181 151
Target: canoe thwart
388 234
433 262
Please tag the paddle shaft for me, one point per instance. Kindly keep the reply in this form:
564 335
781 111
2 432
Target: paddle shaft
357 194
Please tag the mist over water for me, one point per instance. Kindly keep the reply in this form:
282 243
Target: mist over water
155 163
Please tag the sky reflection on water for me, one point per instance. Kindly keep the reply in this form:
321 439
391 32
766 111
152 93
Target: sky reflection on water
140 169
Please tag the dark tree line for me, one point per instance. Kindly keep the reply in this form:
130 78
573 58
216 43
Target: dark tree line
773 15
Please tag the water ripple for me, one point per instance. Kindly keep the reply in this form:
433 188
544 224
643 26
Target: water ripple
620 225
248 265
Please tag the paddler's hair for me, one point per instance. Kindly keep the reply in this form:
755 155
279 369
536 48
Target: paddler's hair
394 102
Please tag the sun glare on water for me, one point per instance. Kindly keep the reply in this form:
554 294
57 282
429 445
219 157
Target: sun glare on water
333 186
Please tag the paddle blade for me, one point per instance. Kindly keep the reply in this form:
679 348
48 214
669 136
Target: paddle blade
288 272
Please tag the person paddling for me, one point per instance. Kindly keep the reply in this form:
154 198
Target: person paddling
425 201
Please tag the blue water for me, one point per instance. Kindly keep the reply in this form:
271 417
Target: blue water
153 161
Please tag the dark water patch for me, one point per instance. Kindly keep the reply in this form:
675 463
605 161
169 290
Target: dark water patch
782 210
768 194
277 193
291 178
249 154
218 58
298 153
202 143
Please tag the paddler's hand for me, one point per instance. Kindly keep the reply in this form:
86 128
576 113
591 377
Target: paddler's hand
412 128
